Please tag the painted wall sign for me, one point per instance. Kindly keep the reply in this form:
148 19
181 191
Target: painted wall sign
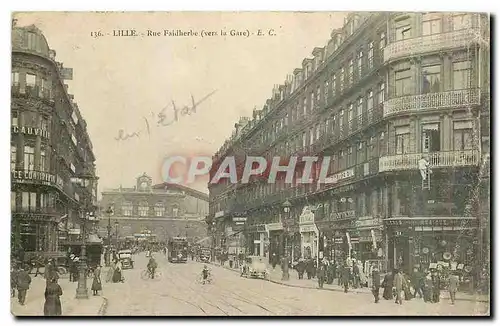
340 176
34 176
31 131
429 222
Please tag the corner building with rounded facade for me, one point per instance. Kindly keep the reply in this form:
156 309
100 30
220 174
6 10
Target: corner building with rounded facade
50 147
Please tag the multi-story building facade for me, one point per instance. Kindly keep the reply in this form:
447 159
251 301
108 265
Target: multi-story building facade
163 210
54 183
386 91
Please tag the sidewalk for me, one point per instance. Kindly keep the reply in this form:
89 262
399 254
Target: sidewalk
275 277
70 305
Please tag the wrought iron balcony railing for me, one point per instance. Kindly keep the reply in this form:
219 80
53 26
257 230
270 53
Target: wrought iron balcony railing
432 101
436 160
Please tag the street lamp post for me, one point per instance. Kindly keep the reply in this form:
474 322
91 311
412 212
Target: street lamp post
109 212
116 235
81 290
286 221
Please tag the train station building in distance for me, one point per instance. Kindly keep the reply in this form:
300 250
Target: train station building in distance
155 211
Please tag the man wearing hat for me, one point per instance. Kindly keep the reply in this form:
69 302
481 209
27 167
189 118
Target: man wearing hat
50 271
375 283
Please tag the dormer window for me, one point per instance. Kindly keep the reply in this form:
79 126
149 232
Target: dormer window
32 41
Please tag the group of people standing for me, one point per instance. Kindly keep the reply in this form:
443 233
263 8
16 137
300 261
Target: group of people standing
426 285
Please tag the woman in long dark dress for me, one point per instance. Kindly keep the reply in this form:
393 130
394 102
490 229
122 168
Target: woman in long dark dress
96 283
117 275
52 306
387 285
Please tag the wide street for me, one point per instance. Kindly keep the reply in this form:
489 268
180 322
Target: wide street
178 292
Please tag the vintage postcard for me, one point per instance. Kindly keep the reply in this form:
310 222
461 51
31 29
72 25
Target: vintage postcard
250 164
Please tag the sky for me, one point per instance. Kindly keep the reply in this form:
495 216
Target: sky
123 83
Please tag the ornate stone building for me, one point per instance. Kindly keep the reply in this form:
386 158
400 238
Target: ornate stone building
387 90
164 210
52 160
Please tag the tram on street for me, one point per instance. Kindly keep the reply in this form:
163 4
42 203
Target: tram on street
178 250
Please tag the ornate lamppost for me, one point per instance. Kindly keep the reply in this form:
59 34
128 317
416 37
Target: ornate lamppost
109 212
84 181
116 234
286 229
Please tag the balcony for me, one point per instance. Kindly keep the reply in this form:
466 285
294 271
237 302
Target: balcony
432 101
430 43
436 160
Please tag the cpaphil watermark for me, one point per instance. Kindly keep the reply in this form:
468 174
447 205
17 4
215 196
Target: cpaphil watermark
290 170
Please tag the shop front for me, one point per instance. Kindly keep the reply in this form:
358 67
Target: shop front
309 233
336 233
426 242
35 232
371 239
275 235
257 239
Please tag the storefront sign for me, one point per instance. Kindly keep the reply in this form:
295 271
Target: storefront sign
367 223
26 175
74 231
342 215
239 219
429 221
219 214
31 131
340 176
275 227
307 228
32 217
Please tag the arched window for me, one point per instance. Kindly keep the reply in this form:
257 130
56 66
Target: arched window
127 209
175 211
159 209
143 209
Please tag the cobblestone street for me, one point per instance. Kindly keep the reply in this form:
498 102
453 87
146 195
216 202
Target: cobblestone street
178 292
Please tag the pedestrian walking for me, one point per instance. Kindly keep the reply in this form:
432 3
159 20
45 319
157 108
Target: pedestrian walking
50 271
453 286
117 274
321 274
96 283
111 271
436 287
330 272
53 292
417 281
345 276
274 260
23 284
309 268
13 279
300 267
315 266
355 275
398 285
375 283
428 288
387 285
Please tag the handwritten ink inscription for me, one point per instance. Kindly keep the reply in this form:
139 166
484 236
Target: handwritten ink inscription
162 118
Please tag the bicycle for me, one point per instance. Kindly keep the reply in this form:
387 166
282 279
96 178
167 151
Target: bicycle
208 280
146 275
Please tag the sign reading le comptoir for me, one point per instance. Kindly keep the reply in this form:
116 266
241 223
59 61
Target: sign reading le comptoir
34 176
